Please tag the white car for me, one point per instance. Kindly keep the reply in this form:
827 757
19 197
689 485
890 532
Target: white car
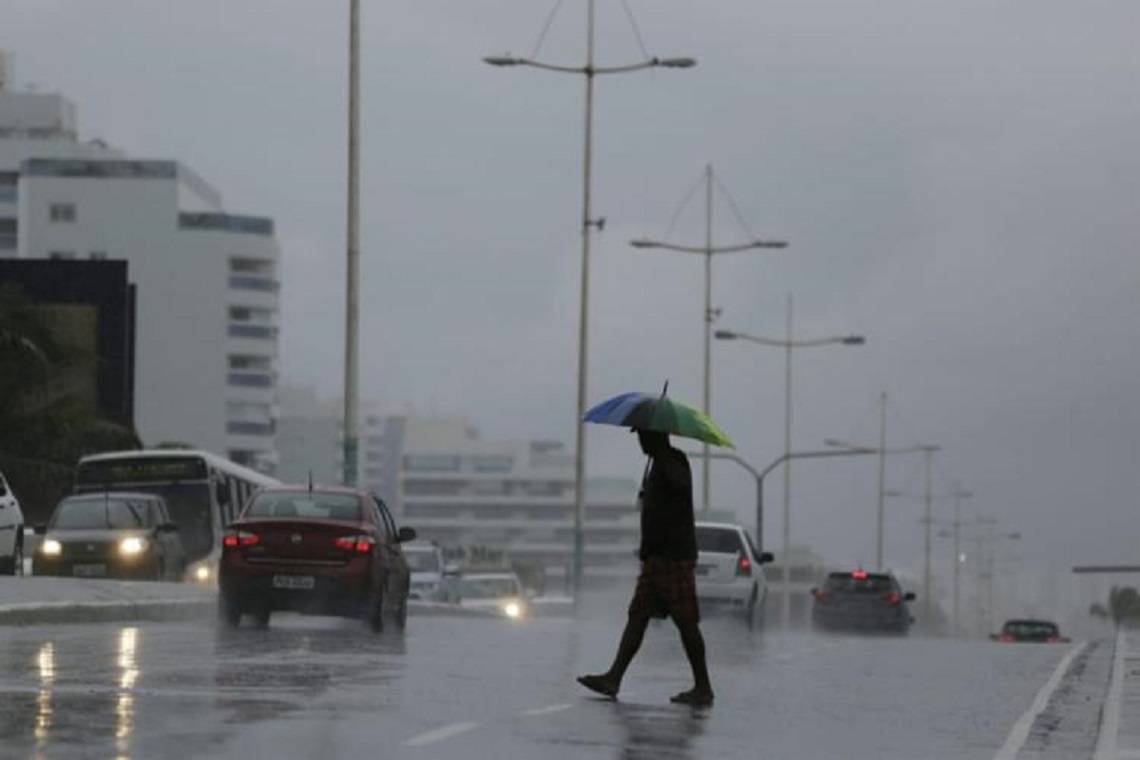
500 592
729 572
11 531
426 565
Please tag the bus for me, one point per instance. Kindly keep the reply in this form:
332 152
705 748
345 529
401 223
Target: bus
204 493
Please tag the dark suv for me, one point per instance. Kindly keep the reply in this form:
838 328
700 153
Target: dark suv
861 601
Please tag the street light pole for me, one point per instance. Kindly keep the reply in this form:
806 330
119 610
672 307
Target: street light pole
589 71
881 514
352 284
928 520
789 343
708 250
958 495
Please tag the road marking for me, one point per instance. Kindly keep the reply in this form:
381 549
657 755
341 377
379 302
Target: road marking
439 734
1020 732
548 709
1110 713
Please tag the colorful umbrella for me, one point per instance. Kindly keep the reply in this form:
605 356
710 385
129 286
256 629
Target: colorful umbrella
644 411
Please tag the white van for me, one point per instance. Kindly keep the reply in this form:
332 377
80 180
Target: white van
11 531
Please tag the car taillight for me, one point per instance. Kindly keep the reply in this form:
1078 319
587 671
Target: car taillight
237 538
894 598
859 575
1054 640
744 566
360 544
1005 637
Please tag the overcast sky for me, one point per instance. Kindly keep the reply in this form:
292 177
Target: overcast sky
959 181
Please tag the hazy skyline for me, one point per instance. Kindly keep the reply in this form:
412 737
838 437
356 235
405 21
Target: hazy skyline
958 183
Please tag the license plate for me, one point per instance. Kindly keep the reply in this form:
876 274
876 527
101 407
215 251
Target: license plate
89 571
294 581
704 569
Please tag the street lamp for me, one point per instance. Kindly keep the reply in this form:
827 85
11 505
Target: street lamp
883 452
789 343
589 70
708 250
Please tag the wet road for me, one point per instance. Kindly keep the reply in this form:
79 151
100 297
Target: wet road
476 688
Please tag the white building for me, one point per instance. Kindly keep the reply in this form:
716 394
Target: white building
471 495
207 312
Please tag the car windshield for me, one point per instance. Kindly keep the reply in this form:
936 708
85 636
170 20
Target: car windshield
100 513
1030 628
718 540
859 583
488 588
422 560
305 505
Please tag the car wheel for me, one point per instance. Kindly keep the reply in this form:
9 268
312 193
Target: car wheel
402 615
750 611
229 609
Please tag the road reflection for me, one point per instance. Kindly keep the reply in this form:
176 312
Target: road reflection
653 733
125 704
45 661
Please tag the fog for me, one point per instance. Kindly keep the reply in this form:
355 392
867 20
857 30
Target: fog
958 182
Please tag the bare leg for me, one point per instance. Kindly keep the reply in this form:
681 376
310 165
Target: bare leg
694 645
609 682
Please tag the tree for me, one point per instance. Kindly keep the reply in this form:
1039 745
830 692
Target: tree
45 416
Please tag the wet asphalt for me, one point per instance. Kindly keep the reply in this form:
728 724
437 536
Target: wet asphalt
486 688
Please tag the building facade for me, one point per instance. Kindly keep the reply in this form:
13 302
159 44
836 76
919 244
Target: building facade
207 329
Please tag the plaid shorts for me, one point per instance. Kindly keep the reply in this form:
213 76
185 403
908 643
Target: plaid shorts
666 588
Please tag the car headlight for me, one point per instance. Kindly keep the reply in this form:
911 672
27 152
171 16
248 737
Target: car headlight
513 610
131 546
51 547
201 573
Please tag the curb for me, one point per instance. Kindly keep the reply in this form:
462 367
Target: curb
105 612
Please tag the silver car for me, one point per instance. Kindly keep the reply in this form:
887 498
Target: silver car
11 531
729 572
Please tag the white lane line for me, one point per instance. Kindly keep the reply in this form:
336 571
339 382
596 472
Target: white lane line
439 734
548 709
1020 732
1110 713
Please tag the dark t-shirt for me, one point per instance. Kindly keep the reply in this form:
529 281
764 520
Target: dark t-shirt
667 530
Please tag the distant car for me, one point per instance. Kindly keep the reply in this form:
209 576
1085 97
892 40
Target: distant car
1037 631
319 551
729 572
426 564
11 531
500 592
862 601
111 535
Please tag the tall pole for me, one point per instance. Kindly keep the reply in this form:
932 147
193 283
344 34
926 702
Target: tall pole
957 556
706 485
881 514
352 285
929 524
583 311
786 545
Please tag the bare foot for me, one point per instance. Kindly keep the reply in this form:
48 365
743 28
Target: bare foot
601 684
694 697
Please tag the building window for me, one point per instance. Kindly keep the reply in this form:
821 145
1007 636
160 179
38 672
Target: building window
431 463
250 428
250 380
250 361
247 282
61 212
61 255
7 234
255 314
492 463
242 265
252 331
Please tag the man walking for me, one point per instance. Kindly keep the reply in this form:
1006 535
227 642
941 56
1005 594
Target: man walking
666 586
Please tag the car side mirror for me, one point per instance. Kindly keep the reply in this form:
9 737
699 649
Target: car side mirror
908 596
405 534
765 558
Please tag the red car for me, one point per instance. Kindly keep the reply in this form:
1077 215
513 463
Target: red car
320 551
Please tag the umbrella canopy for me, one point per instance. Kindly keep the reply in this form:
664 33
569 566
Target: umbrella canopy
657 412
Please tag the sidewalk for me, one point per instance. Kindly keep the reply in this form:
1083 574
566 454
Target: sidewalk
1120 719
68 600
